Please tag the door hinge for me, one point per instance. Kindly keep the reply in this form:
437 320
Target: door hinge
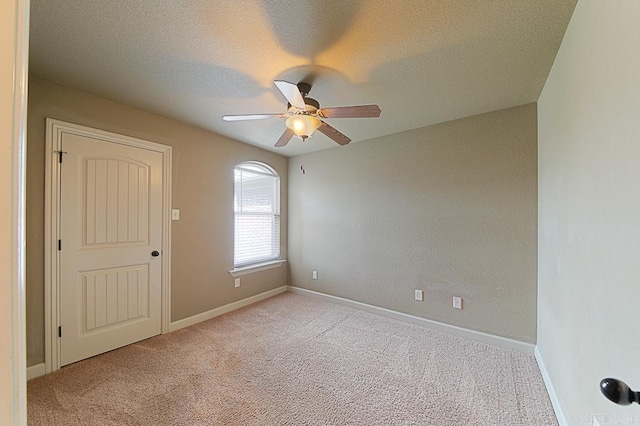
60 331
59 245
60 155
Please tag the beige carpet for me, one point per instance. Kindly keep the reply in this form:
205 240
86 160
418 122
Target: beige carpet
296 360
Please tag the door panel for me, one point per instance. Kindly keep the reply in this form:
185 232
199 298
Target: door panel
114 296
116 200
110 222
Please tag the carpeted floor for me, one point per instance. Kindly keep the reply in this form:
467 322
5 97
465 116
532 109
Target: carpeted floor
296 360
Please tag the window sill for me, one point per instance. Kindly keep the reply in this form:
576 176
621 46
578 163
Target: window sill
256 267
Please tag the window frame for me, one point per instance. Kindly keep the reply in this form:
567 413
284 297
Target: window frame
267 262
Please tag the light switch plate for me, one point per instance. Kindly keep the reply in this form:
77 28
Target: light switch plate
175 214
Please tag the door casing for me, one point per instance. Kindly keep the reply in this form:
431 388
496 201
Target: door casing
54 131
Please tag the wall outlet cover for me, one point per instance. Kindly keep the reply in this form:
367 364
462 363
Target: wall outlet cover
457 302
419 295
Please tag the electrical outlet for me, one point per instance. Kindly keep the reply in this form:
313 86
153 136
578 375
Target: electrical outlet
236 282
419 296
457 302
314 275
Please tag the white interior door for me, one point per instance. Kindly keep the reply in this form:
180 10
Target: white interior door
110 217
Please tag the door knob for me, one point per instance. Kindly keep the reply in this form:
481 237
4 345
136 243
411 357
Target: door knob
619 392
155 253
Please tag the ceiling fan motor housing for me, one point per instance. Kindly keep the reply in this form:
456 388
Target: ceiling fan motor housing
312 107
315 105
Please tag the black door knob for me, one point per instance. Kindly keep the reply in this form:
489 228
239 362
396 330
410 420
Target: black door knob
155 253
618 391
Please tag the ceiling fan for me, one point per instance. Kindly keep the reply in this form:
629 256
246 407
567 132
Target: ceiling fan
304 115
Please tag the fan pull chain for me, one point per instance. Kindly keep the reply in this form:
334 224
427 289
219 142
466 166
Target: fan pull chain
304 153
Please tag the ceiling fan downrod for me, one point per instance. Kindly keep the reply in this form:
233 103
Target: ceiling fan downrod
304 88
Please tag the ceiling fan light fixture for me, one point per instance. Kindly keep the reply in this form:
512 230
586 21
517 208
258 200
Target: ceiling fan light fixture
303 125
304 115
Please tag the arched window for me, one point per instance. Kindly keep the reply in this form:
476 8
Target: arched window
256 202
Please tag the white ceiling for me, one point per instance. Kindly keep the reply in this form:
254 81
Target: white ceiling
421 61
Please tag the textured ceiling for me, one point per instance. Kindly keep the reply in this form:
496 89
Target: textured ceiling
421 61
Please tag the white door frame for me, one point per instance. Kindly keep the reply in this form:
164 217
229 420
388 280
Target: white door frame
54 131
14 63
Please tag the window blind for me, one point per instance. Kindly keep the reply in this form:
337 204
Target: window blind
257 214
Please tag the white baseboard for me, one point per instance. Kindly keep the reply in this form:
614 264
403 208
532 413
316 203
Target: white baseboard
36 371
186 322
490 339
555 402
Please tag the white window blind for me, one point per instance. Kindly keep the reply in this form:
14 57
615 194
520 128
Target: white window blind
257 214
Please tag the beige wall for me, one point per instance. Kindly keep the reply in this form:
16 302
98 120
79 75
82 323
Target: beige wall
449 209
589 211
202 241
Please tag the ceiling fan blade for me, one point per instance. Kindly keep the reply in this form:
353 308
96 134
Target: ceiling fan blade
250 117
334 134
361 111
291 92
285 138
